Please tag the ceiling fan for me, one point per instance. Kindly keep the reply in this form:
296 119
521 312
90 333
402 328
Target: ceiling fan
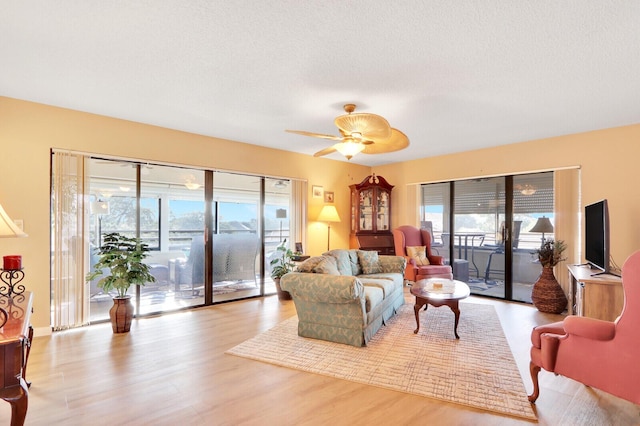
361 132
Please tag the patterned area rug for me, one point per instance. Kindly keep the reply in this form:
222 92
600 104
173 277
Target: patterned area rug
478 370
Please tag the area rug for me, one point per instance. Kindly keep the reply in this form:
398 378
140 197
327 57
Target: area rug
477 371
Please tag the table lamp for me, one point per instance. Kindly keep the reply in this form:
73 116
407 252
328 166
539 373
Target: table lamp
12 272
543 225
329 214
281 214
99 208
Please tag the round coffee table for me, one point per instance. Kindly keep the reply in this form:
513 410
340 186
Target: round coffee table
437 292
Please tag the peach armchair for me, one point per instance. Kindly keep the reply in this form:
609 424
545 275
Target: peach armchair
601 354
407 236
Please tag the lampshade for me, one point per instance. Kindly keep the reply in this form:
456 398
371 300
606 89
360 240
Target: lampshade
542 225
349 149
329 214
281 213
8 228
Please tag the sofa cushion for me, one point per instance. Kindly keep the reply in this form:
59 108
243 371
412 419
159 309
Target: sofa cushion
327 266
343 261
418 254
388 286
373 297
397 278
369 262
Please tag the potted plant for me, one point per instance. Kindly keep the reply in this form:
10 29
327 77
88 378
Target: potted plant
547 295
122 256
281 265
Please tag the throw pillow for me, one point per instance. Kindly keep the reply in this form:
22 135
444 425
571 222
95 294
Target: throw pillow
310 264
327 266
342 260
419 254
369 261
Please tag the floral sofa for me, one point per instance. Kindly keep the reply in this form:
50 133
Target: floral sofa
345 296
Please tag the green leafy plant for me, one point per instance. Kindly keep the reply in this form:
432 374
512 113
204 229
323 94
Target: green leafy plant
122 256
550 253
283 262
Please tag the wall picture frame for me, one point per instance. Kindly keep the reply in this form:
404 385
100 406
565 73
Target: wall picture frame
317 191
328 197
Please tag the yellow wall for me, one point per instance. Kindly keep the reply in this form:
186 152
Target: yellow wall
608 162
28 132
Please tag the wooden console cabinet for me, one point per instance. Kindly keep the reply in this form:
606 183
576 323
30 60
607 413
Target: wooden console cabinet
15 344
595 296
371 215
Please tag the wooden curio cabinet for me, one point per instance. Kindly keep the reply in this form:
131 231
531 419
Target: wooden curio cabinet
371 215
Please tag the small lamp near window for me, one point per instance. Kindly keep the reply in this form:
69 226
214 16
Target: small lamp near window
281 214
544 226
99 208
329 214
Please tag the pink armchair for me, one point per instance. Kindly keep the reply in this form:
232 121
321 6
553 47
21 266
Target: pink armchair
601 354
407 236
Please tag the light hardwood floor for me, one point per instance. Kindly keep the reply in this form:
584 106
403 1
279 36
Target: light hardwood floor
173 370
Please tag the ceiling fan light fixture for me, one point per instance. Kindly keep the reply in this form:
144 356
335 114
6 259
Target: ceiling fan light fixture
527 189
192 185
349 149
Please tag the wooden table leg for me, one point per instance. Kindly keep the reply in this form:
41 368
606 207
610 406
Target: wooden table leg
18 397
416 309
456 312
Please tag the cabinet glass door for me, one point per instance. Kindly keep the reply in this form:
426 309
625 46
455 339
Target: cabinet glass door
366 210
382 223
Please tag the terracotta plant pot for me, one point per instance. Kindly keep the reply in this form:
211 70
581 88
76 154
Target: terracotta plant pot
121 314
282 295
547 295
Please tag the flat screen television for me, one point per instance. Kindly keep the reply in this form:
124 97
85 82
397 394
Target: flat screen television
596 235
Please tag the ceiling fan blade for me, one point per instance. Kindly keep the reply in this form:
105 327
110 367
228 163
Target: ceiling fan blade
315 135
325 151
396 142
370 126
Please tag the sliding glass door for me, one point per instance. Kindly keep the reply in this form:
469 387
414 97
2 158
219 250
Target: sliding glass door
494 230
236 236
479 234
182 214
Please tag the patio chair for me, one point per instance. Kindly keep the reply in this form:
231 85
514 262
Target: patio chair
499 248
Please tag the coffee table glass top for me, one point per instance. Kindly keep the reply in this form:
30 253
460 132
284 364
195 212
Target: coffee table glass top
439 288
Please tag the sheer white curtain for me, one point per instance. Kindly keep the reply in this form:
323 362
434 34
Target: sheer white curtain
567 221
298 222
69 246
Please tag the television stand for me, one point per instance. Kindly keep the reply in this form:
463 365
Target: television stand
605 273
593 296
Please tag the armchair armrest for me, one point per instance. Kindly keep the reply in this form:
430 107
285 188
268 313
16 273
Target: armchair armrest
590 328
538 331
436 260
322 288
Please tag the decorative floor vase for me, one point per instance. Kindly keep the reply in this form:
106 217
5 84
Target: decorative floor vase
121 314
547 295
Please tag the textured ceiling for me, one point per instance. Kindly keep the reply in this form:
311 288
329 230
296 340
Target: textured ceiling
452 75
